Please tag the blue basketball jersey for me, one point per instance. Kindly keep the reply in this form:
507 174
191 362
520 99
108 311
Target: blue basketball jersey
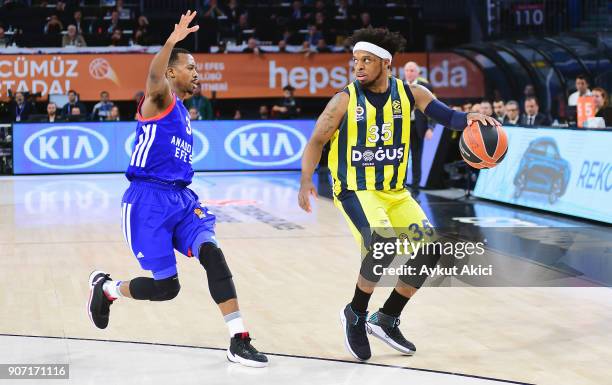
163 146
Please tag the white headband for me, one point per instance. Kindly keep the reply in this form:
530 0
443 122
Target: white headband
372 48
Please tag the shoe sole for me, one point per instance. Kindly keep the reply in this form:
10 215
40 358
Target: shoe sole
346 342
92 284
245 362
377 332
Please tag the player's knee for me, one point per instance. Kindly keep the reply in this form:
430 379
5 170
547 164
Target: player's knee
220 282
166 289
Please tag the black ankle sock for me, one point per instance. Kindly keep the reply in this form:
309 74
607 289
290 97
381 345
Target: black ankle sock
360 300
394 304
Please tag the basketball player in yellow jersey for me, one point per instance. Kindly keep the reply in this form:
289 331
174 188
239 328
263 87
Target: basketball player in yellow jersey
368 124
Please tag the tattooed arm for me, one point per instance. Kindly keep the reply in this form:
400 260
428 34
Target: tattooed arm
326 126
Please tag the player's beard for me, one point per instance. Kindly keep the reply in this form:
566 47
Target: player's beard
377 78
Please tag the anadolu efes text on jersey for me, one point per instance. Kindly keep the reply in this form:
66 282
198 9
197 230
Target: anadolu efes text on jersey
163 148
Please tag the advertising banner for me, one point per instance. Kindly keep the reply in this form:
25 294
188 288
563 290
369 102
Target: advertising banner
229 75
45 148
564 171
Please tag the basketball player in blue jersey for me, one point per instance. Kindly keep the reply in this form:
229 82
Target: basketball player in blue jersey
159 212
368 127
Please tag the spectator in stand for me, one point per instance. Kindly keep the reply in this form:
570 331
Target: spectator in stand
342 12
124 13
528 92
101 110
499 110
306 48
313 36
20 109
53 26
141 33
114 115
475 108
242 28
322 46
288 108
194 114
52 115
201 104
252 47
76 115
282 46
77 20
5 41
466 107
72 38
513 113
116 38
213 10
234 11
582 89
73 101
291 38
486 108
533 116
602 104
298 18
365 21
237 115
264 112
114 23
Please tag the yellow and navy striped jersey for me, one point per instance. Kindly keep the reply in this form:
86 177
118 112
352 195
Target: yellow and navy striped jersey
369 151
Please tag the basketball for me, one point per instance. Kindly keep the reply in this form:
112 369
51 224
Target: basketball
483 146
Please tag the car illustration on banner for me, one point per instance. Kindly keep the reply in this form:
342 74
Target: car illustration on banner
542 170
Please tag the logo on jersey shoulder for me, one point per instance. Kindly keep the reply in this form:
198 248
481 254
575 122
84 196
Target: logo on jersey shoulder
362 156
359 113
265 144
66 147
198 211
397 108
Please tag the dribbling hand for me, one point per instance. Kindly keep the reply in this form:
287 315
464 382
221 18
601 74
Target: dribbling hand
484 119
182 29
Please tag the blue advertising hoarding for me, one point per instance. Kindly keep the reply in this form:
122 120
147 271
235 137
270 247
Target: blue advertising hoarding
57 148
564 171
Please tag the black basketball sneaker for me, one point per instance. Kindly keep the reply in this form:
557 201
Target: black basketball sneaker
386 328
242 352
355 336
98 305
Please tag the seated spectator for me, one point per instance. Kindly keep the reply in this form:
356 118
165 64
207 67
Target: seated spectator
52 115
322 46
466 107
20 108
499 110
602 104
533 116
213 10
124 13
288 108
486 108
282 46
73 101
116 38
298 17
77 20
305 48
291 37
241 28
5 41
194 114
233 11
141 34
237 115
201 104
365 21
102 109
313 35
252 47
114 115
342 12
72 38
512 116
264 112
475 108
54 25
76 115
582 89
113 24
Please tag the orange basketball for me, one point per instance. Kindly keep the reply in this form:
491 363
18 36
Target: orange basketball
483 146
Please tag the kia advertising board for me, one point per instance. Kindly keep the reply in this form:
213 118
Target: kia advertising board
45 148
565 171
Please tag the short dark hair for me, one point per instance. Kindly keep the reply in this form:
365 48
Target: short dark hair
498 101
583 77
72 92
391 41
532 98
174 55
289 88
486 101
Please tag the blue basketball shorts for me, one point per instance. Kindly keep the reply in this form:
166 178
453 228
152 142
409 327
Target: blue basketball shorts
157 218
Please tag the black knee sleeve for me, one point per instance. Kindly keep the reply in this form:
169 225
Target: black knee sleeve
376 258
220 283
155 290
421 259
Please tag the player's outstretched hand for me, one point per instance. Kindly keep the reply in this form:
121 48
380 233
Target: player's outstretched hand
182 29
307 188
484 119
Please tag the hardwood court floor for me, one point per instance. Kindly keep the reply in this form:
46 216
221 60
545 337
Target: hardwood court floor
293 272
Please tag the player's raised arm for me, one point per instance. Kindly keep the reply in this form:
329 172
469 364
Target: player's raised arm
427 103
158 95
325 127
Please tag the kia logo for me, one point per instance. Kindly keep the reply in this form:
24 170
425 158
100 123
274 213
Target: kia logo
265 144
199 149
66 147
